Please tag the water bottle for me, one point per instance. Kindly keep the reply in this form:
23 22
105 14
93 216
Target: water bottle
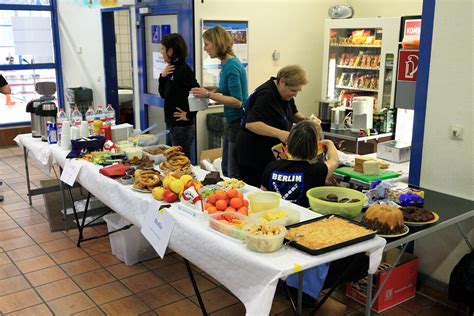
90 115
99 112
76 117
61 117
109 115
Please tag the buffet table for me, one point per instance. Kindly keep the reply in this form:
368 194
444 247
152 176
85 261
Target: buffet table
251 276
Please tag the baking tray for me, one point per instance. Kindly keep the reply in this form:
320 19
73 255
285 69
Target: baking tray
315 252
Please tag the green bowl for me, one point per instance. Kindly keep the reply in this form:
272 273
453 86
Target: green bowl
349 210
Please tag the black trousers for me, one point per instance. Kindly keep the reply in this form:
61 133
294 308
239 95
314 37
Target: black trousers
250 175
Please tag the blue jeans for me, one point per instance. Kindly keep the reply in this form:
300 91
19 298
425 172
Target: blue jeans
182 136
313 279
229 155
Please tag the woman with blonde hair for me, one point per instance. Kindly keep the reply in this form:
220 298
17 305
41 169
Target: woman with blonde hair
232 92
269 116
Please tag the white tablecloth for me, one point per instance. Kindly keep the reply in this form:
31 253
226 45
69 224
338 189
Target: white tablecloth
251 276
40 150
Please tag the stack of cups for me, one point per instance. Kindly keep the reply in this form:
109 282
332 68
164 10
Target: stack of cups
74 132
84 129
66 135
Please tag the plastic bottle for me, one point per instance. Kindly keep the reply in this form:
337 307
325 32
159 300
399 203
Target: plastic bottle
60 118
90 116
76 117
109 115
99 112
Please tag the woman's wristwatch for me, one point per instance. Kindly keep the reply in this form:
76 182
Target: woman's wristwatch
207 95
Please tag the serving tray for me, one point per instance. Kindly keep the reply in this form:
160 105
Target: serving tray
319 251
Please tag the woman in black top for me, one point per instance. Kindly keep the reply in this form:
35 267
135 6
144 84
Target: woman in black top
270 113
175 82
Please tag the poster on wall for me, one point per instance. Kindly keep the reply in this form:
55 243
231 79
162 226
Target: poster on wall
211 67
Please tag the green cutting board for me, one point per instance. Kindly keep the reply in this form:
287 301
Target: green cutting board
383 174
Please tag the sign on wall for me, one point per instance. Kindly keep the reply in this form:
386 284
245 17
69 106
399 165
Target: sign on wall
211 67
407 65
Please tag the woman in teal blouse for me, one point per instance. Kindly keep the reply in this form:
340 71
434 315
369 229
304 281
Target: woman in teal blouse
232 92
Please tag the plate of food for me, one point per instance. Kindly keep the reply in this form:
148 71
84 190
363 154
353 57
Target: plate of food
416 216
405 231
140 190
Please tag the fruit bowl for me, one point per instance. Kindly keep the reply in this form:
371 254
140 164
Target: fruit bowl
325 207
264 237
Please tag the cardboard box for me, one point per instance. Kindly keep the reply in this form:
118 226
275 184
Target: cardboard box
210 155
394 151
401 285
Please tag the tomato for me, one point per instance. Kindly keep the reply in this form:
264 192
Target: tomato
230 209
245 203
243 210
221 205
212 199
221 195
236 203
211 210
240 195
232 193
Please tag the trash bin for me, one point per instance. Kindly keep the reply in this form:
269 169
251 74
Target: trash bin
128 245
80 96
215 129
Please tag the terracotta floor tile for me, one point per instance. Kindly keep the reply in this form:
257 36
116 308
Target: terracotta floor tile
57 289
91 312
100 247
417 304
23 213
25 253
67 255
108 292
172 272
47 275
40 236
160 296
397 311
93 279
106 259
13 284
16 206
158 262
16 243
149 313
130 305
438 310
57 245
80 266
8 270
8 224
71 304
19 300
121 270
40 227
333 307
30 220
4 259
33 264
185 287
37 310
4 216
215 299
142 282
11 234
12 200
183 307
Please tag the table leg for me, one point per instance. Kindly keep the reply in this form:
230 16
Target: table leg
196 289
466 239
25 156
63 198
299 302
368 305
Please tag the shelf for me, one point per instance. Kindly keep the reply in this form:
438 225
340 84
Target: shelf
358 68
357 89
355 45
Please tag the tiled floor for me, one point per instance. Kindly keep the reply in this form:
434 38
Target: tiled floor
44 273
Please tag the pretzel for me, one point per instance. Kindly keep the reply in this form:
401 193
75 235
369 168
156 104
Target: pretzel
178 160
172 149
149 179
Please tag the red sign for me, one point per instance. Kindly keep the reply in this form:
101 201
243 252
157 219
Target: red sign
413 28
407 65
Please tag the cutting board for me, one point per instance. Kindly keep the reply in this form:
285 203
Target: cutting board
383 174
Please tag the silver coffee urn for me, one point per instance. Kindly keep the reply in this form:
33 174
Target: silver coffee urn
47 112
47 90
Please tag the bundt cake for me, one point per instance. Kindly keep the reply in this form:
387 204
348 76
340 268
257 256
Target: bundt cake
388 220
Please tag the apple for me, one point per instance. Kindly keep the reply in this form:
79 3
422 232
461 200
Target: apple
169 196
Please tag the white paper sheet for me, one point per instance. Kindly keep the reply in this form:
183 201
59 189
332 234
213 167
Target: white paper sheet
70 172
159 64
157 229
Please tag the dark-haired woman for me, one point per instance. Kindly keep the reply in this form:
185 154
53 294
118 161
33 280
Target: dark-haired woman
175 82
292 178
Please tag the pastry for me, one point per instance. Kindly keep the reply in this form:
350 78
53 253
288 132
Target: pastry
388 220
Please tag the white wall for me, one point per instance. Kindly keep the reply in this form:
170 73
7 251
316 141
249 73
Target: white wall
448 164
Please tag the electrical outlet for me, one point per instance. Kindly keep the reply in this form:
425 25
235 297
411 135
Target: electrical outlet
457 132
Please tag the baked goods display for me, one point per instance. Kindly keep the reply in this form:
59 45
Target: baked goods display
176 163
139 163
417 214
359 163
212 177
326 232
146 180
388 220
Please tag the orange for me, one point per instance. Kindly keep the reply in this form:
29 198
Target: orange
208 205
236 203
221 195
211 199
232 193
245 203
240 195
211 210
221 205
243 210
230 209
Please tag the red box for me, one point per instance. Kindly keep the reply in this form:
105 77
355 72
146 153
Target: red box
401 285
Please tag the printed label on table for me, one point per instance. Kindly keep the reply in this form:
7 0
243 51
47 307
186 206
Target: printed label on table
157 229
70 171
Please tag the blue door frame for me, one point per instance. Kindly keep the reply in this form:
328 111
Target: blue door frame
184 9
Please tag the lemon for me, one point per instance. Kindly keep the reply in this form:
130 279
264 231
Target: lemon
176 186
185 178
157 193
167 181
